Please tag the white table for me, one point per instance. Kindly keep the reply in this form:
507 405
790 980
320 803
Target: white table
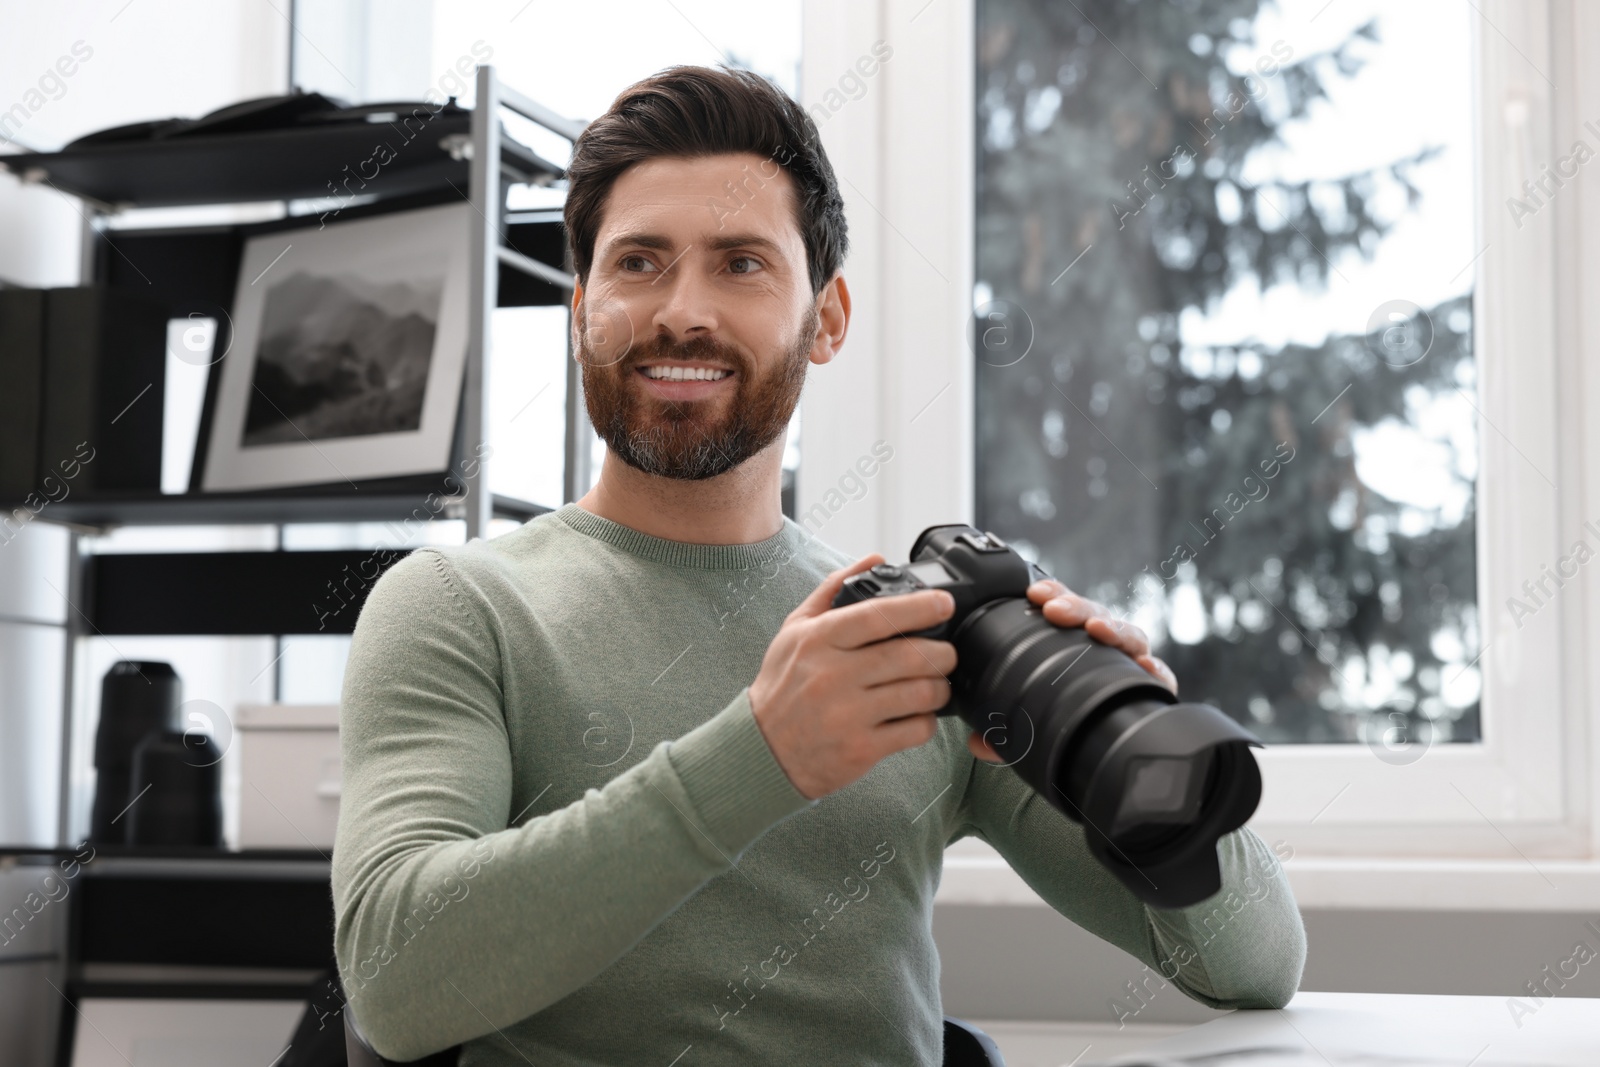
1394 1030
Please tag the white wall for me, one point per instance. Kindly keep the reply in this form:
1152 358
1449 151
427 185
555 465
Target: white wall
364 51
175 58
902 150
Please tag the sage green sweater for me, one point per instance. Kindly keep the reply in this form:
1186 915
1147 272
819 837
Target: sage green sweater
563 839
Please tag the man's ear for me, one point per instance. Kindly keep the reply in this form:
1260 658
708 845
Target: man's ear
833 320
577 302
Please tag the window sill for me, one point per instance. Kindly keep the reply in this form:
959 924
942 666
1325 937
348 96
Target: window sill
1351 884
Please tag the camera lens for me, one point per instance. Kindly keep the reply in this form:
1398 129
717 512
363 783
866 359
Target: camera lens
1157 789
1154 782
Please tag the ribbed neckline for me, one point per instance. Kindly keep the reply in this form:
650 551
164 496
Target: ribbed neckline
682 553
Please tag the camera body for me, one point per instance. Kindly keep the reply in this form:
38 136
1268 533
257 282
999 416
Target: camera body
975 568
1153 781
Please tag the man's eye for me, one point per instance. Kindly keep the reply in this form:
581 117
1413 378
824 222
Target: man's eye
632 263
753 264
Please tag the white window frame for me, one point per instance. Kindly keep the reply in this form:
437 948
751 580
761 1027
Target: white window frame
1518 812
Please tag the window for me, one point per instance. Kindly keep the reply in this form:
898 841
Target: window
1476 455
1225 376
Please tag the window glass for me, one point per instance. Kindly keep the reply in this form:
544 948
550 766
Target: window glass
1223 330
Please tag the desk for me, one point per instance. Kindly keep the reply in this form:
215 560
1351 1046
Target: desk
1395 1029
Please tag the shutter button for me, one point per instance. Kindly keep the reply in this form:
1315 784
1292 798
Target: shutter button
887 571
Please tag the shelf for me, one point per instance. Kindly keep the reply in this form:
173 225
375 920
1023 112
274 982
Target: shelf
298 163
112 860
195 268
231 509
223 907
516 260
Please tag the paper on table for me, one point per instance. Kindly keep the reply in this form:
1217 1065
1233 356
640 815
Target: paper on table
1276 1056
1388 1030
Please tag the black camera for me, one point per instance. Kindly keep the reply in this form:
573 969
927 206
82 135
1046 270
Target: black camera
1153 782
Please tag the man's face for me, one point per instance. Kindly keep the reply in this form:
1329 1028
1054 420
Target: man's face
697 319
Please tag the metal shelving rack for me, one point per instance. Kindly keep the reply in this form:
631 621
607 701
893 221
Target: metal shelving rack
470 146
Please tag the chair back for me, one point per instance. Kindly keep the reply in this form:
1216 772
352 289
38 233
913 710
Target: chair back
967 1046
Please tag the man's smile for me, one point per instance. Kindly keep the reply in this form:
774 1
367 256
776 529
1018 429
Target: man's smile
685 381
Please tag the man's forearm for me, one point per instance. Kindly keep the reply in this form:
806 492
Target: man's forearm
1242 947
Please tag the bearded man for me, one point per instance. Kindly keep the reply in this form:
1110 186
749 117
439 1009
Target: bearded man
585 820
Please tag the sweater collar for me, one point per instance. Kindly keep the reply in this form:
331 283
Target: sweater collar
781 545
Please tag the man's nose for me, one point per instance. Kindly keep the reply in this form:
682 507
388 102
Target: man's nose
687 304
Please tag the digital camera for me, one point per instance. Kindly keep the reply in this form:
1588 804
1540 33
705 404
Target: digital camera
1154 782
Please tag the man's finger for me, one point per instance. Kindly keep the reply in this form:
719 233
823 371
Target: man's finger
1119 634
1070 609
821 598
906 657
982 749
1047 588
1073 610
1158 667
881 617
904 732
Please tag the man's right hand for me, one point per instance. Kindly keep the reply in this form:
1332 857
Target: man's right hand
835 695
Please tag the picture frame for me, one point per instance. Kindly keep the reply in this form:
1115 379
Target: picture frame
347 356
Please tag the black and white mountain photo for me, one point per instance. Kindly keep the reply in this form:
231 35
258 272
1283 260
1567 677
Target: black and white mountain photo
341 357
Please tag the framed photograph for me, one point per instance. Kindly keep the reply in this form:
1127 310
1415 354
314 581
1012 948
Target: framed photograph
349 344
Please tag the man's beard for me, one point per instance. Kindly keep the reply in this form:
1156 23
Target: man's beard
683 439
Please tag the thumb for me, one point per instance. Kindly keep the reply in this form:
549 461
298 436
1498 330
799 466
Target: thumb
821 598
982 749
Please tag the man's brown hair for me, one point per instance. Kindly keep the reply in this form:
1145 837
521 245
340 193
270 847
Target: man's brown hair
686 112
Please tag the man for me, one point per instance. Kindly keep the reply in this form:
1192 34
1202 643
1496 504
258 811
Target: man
619 787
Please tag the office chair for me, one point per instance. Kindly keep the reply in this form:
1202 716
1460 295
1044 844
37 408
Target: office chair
964 1046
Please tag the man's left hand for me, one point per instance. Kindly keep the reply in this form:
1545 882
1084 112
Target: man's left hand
1065 608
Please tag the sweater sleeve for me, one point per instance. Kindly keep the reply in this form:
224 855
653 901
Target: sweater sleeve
1243 947
448 923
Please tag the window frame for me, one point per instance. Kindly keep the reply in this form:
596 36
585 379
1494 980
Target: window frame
904 153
